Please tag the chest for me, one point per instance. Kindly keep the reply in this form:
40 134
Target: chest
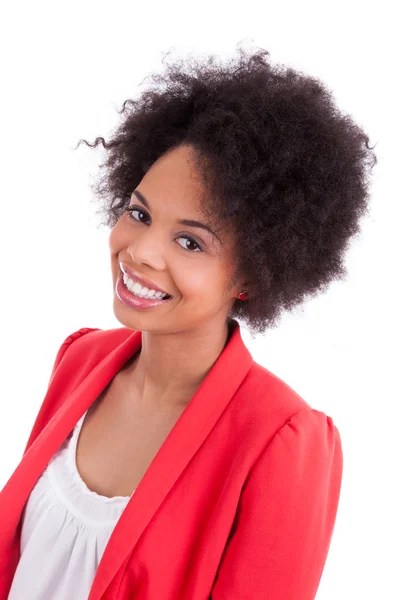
118 440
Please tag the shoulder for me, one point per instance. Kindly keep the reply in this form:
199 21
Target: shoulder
275 412
304 456
308 427
91 341
88 336
72 337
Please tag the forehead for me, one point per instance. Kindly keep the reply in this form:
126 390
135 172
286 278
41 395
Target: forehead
174 188
174 178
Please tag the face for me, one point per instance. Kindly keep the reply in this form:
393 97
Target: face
188 262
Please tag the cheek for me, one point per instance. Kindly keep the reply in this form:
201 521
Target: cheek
119 237
197 280
114 238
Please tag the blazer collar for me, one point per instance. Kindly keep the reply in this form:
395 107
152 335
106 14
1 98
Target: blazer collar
189 432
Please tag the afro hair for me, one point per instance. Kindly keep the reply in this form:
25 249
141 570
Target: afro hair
283 168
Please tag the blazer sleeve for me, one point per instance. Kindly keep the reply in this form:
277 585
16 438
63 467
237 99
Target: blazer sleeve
286 514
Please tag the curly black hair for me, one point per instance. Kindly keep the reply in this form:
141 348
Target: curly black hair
281 165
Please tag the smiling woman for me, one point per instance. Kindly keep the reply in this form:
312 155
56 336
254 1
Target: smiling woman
165 463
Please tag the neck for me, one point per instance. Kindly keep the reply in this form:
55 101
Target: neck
170 367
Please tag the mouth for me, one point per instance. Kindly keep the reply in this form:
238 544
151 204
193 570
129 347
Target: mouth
133 299
134 277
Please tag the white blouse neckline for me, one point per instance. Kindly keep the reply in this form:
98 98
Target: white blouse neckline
65 530
88 506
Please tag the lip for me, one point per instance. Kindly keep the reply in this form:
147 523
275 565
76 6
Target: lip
133 301
136 277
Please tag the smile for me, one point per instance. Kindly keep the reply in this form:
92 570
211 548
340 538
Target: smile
133 296
143 292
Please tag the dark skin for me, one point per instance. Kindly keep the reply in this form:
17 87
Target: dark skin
182 338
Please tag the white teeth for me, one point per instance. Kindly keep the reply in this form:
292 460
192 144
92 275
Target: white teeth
142 292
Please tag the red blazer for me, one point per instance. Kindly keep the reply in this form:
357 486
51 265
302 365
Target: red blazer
239 502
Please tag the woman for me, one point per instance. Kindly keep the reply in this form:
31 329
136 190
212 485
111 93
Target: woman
164 462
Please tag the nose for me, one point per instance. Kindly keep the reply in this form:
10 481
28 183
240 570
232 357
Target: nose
147 248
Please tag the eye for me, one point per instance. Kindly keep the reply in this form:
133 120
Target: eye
134 209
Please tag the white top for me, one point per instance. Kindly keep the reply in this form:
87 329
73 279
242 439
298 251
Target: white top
65 530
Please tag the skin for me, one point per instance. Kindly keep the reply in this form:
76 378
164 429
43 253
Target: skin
181 339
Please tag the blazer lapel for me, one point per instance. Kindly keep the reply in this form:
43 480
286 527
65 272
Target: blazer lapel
183 441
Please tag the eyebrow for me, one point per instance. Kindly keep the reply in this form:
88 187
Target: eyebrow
188 222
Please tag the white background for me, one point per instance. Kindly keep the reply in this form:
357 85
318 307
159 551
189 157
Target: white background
66 68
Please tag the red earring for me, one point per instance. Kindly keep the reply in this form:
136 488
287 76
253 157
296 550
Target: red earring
242 296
